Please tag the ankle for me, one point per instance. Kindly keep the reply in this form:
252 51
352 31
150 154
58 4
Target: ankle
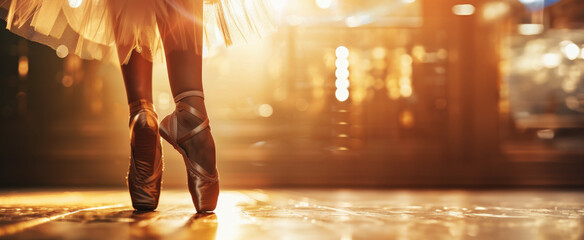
196 102
140 104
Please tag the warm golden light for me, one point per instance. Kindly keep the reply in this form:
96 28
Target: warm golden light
406 61
302 104
463 9
570 85
342 83
551 60
379 53
265 110
442 53
75 3
406 91
342 94
279 4
405 81
294 214
324 4
358 20
570 50
407 119
495 10
342 73
530 29
546 134
231 221
419 53
62 51
342 52
573 103
23 66
164 101
67 81
342 63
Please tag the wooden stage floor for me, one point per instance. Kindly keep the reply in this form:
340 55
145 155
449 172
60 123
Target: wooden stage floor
341 214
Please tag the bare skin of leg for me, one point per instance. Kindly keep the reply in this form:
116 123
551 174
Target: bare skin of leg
185 72
138 78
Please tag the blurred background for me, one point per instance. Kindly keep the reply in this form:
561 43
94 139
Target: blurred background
347 93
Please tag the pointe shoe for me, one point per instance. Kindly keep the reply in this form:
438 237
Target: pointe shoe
145 171
203 186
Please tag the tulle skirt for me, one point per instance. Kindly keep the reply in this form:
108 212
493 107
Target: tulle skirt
110 30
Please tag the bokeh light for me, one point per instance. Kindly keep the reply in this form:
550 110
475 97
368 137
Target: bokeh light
342 94
342 83
551 60
265 110
324 4
570 50
342 73
62 51
67 81
406 119
379 53
463 9
342 52
530 29
23 66
75 3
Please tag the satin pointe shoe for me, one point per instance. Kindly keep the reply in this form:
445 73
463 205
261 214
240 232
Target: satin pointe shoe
145 172
203 185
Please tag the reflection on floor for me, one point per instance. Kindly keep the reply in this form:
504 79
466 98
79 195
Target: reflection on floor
297 214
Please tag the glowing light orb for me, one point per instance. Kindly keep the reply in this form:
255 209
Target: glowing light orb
342 52
406 91
342 94
442 53
463 9
342 83
23 66
379 53
324 4
265 110
342 73
62 51
67 81
75 3
342 63
530 29
495 10
419 52
551 60
546 134
406 59
406 119
570 50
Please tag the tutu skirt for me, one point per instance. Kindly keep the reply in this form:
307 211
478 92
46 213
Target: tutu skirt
110 30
